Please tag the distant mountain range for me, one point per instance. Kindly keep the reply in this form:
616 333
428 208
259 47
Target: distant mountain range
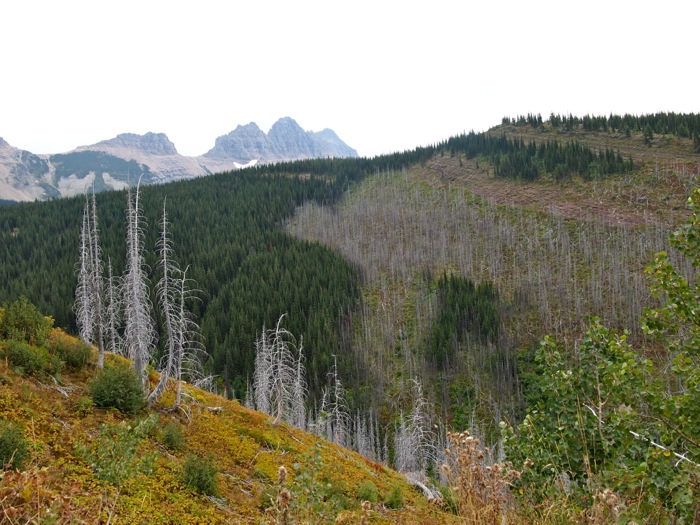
117 162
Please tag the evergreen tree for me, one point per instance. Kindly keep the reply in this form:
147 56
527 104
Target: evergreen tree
648 134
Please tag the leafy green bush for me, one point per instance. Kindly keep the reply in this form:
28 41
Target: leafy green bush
73 352
368 492
394 500
172 437
114 456
14 447
200 474
30 360
582 426
117 386
312 493
23 322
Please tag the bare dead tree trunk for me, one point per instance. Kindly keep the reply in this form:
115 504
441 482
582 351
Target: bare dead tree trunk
139 332
97 286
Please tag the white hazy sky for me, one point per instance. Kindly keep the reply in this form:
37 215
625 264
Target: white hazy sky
384 75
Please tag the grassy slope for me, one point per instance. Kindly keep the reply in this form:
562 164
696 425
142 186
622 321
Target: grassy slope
245 447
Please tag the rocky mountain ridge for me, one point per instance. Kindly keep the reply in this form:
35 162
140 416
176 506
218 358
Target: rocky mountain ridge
152 158
249 141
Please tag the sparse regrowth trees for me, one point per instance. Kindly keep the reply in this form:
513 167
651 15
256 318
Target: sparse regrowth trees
279 380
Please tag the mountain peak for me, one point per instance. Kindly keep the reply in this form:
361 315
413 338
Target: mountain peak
151 143
250 127
331 139
286 121
286 140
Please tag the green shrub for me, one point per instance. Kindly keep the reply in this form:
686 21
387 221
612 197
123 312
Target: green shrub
172 437
336 491
84 406
200 474
23 322
73 352
314 499
30 360
14 447
116 455
394 499
368 492
117 386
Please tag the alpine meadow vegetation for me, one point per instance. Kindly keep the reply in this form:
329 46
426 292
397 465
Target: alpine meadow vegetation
67 459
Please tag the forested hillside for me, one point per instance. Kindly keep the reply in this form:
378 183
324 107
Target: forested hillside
222 228
429 276
226 228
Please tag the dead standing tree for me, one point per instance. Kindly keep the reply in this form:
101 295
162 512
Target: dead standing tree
279 380
89 294
183 352
139 330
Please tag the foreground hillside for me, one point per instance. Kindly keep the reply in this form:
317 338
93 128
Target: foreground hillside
210 461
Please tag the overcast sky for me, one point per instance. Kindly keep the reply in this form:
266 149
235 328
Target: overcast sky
384 75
